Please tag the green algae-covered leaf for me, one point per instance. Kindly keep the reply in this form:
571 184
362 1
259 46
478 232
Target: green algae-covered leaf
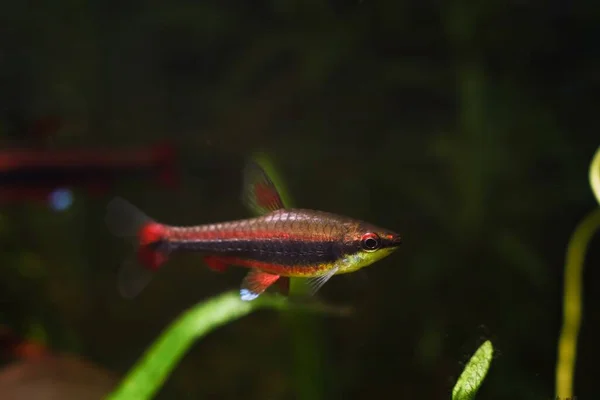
148 375
474 373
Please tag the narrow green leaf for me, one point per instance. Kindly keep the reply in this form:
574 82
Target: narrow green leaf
594 175
149 374
474 373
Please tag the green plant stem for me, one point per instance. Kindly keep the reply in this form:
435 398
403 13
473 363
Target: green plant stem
567 344
148 375
572 304
307 349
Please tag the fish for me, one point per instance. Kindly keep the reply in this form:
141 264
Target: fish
278 243
50 175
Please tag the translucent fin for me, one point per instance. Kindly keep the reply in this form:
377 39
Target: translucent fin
317 283
124 219
255 283
133 277
151 249
259 193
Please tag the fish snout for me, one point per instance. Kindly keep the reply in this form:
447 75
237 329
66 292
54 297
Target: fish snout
393 240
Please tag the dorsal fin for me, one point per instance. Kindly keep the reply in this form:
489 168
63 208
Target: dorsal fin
259 193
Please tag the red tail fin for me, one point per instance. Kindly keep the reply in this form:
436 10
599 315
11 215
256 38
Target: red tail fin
126 220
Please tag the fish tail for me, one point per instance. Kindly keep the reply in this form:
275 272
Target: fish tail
151 247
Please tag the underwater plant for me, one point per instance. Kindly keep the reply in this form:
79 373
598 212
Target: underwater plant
148 375
474 373
572 307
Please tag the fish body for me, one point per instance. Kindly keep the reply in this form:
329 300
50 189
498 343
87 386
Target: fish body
282 242
34 174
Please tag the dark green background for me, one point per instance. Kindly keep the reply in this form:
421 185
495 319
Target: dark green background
469 129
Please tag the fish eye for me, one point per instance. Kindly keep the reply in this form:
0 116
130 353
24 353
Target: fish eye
370 241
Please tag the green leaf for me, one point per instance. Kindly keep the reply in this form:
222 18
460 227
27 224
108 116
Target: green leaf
472 377
594 175
146 378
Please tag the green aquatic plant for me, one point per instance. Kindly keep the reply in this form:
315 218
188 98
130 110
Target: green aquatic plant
594 175
152 370
474 373
572 292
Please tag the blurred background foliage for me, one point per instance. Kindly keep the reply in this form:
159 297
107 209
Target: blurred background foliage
468 127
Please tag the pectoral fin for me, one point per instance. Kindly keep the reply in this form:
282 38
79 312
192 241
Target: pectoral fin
255 283
317 283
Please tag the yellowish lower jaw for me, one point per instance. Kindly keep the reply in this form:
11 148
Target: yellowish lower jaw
356 261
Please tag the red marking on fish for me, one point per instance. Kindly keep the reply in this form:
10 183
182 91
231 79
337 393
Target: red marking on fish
215 263
151 232
151 257
272 268
265 195
175 233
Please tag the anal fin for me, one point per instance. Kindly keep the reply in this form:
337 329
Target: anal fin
255 283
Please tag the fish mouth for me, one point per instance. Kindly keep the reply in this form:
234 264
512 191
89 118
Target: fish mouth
394 241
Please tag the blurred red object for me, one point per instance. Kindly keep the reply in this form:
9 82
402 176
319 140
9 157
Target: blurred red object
28 174
36 373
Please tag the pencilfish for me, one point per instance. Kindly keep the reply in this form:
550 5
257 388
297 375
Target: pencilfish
279 243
